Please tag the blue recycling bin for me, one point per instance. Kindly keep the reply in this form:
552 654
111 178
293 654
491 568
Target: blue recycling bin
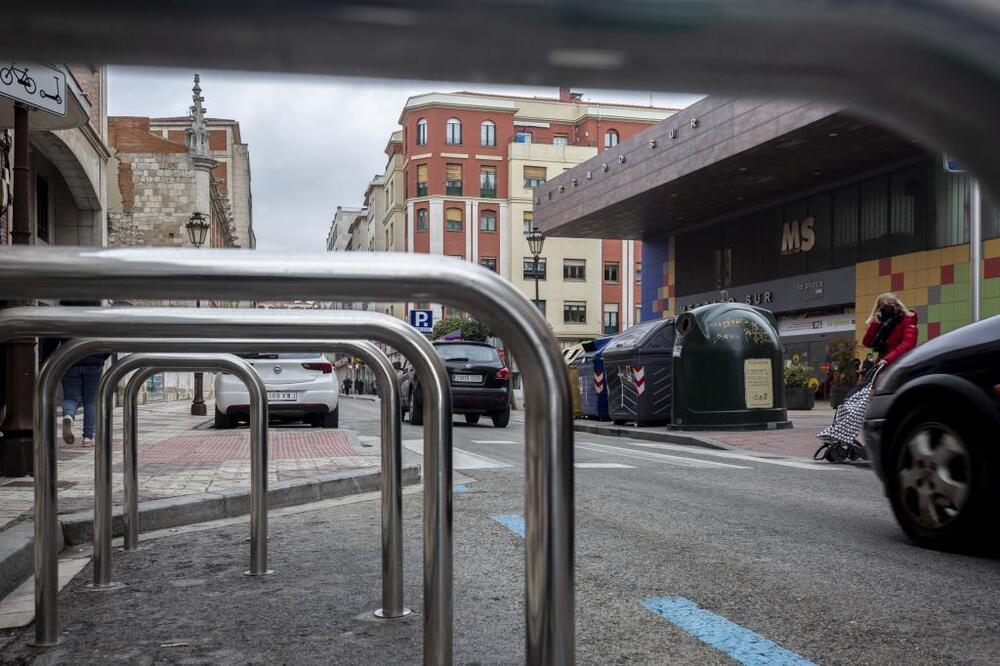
593 382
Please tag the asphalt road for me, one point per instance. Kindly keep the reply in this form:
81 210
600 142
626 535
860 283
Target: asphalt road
781 559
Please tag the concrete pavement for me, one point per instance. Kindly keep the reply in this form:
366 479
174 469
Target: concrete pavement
803 556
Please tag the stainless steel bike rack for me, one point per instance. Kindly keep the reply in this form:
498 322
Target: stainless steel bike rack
391 449
147 364
197 325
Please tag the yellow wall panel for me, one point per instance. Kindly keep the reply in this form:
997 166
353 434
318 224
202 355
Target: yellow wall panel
867 269
991 248
919 298
934 258
961 253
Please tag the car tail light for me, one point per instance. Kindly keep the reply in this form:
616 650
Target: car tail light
325 368
503 373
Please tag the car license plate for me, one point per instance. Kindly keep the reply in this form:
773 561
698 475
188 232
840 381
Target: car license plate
468 379
281 396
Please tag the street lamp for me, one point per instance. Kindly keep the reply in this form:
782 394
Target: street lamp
197 230
535 240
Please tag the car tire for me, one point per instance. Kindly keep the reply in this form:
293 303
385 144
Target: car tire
416 412
940 481
330 419
501 419
224 421
472 419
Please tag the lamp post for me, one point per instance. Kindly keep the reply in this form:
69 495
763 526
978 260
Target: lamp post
535 240
197 230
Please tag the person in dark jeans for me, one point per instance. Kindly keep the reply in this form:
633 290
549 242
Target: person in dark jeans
79 386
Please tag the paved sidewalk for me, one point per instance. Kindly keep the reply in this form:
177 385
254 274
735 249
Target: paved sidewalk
180 454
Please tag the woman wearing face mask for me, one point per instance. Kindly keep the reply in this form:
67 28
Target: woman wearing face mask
892 329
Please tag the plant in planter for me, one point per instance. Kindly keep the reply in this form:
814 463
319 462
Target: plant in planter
845 374
798 395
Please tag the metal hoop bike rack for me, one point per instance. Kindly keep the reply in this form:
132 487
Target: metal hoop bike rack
391 449
170 323
146 364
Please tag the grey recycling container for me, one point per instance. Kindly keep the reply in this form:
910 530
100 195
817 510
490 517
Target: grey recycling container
592 379
638 364
728 370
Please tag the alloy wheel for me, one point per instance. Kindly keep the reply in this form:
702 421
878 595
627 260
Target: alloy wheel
934 470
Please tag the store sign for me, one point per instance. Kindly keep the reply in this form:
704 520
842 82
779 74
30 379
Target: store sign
810 291
798 237
797 326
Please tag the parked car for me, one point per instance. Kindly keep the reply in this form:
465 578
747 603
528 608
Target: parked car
299 387
931 430
480 383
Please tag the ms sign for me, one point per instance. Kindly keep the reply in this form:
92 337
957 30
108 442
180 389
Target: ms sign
422 320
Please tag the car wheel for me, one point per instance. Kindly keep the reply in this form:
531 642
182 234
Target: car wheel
224 421
331 419
501 419
472 419
939 481
416 412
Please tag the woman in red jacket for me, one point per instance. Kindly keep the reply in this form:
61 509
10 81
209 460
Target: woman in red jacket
892 329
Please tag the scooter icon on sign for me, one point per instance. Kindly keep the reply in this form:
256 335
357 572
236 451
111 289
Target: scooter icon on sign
57 96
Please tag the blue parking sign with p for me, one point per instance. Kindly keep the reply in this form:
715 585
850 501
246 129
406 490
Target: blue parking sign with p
422 320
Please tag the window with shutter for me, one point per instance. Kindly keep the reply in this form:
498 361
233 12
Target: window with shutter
488 182
534 176
528 221
421 180
453 180
454 219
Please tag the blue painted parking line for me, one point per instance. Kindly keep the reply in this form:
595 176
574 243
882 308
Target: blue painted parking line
460 488
742 645
512 521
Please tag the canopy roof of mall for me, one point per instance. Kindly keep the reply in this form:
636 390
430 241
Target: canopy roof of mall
717 157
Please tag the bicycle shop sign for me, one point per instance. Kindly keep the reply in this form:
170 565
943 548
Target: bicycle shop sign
37 85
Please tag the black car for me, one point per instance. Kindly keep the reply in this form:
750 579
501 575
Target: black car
932 428
480 383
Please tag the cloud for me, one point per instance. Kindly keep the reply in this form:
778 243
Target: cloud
315 142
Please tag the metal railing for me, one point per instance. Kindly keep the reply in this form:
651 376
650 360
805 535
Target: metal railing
147 364
391 447
221 323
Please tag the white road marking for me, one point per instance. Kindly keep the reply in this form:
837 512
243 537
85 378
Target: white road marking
459 459
602 466
736 455
493 441
680 461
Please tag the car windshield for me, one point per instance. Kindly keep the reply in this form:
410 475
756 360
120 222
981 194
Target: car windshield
470 353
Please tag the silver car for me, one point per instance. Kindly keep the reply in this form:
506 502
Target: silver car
299 386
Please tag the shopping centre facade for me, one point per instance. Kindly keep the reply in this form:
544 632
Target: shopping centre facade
797 207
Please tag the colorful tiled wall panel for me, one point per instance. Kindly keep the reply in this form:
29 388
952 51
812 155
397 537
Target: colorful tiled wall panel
657 280
935 283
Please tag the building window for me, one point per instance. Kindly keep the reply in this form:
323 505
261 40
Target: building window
611 326
560 140
488 182
454 219
638 314
611 271
488 221
453 135
528 222
421 180
611 138
453 180
574 269
489 262
488 133
529 268
574 312
42 209
422 224
534 176
522 137
541 306
638 270
422 132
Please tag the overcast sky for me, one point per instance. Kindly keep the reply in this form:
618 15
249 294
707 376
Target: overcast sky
315 142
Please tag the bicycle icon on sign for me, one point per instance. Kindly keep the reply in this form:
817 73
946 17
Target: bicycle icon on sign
8 74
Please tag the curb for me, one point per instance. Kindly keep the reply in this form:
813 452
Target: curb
373 398
653 436
17 543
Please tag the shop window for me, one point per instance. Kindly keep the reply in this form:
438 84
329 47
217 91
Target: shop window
422 224
611 326
453 132
528 271
453 219
611 138
422 132
488 133
489 262
534 176
421 180
453 180
528 222
611 271
574 270
574 312
488 182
